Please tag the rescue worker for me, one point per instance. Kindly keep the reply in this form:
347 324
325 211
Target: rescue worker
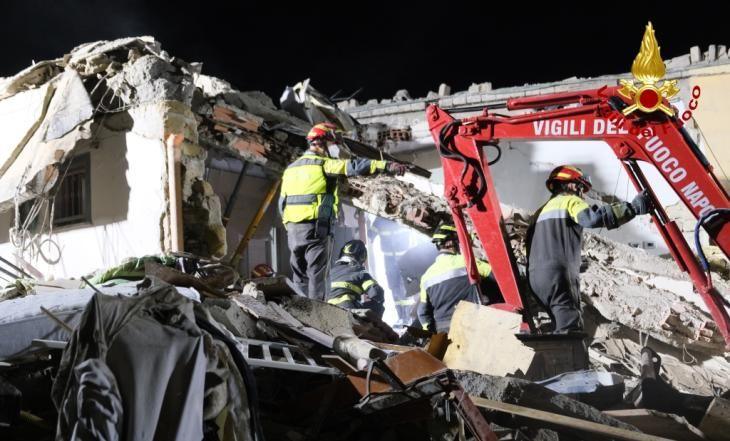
445 283
395 240
352 286
555 237
308 205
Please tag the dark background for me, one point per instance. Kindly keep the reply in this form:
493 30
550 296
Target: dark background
380 47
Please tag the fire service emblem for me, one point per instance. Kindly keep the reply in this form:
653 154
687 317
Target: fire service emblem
648 69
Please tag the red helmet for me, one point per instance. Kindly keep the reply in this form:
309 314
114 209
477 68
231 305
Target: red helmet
568 173
322 130
262 270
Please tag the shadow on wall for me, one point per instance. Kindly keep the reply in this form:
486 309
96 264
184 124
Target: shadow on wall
110 171
108 198
252 190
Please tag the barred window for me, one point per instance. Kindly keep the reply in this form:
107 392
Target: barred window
73 197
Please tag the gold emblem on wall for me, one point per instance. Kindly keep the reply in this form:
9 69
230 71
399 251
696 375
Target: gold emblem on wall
648 69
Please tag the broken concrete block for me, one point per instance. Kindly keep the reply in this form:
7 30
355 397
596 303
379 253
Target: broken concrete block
211 86
402 95
234 318
695 55
70 106
712 53
721 52
481 336
444 89
526 393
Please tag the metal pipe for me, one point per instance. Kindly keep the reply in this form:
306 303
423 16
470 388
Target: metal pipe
96 290
58 321
14 276
236 257
10 264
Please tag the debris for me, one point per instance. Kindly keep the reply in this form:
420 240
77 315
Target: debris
481 336
659 424
716 422
552 419
599 389
654 393
528 394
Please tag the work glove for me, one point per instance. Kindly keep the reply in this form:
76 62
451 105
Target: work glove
396 169
642 203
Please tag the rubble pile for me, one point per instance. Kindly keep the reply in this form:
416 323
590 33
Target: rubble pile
262 362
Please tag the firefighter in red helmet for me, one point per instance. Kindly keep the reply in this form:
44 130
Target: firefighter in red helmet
554 241
309 203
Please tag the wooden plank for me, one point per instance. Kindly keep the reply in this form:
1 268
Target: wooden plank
658 423
716 422
566 421
437 345
481 336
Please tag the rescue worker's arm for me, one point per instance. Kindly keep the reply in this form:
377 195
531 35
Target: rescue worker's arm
358 167
489 283
425 312
609 216
372 289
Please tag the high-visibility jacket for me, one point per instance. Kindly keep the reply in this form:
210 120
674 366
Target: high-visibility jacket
445 284
309 185
349 281
555 236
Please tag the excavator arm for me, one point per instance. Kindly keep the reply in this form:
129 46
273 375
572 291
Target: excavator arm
655 138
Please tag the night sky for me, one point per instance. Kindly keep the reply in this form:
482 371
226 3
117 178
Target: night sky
379 47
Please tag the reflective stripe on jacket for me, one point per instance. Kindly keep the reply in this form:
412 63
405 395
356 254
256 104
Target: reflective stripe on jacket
445 284
555 236
350 280
309 185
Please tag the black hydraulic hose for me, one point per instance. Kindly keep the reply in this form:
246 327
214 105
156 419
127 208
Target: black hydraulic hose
499 153
700 253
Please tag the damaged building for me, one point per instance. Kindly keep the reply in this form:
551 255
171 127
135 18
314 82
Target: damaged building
137 194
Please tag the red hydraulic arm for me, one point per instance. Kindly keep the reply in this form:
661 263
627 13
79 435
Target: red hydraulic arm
654 138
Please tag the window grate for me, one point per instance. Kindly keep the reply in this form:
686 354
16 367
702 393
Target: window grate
72 203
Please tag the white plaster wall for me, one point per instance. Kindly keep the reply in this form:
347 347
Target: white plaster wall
127 202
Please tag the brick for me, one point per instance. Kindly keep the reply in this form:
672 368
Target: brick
237 118
248 147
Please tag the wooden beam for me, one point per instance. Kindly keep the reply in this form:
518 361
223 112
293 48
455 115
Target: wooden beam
566 421
174 179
